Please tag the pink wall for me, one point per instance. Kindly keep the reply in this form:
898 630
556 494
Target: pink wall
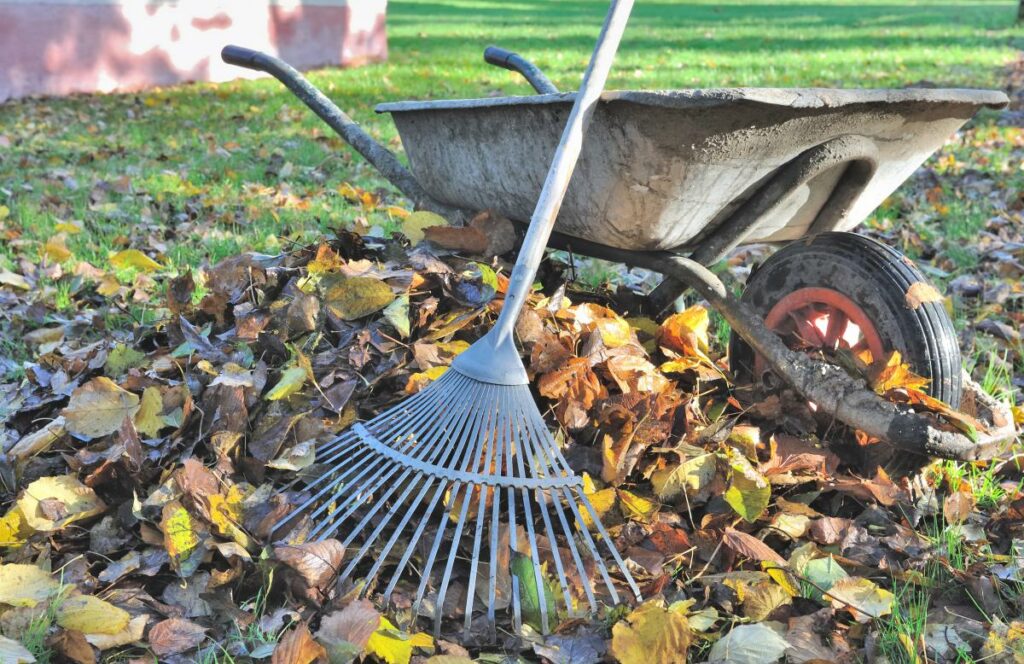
55 47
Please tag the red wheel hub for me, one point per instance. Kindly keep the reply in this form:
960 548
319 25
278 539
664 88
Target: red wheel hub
822 318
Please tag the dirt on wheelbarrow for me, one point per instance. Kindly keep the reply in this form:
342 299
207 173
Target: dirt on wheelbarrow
144 467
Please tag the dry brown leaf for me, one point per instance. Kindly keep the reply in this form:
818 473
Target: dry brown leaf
750 547
465 239
921 292
316 562
298 647
72 645
354 624
175 635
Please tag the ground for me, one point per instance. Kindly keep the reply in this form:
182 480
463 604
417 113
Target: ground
121 213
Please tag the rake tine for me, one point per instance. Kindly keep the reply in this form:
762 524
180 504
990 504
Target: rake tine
513 535
382 475
431 441
478 415
552 447
492 576
535 448
480 518
480 435
333 479
543 435
414 415
528 522
462 443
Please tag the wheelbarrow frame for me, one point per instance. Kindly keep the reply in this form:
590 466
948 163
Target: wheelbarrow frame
833 390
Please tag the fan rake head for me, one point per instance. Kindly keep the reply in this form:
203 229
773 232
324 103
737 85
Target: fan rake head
481 455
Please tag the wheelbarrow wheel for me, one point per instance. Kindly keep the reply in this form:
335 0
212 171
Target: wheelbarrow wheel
839 292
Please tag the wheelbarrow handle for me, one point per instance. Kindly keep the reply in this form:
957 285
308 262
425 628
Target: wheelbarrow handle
500 57
380 157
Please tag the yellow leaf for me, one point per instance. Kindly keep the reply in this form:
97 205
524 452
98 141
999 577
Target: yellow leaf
393 646
421 379
13 528
56 250
861 597
226 514
108 286
351 298
614 330
413 225
4 212
68 227
147 419
91 615
691 477
291 382
26 585
296 458
50 503
651 634
749 492
180 537
896 375
686 333
14 280
327 260
133 258
98 408
396 211
130 634
636 508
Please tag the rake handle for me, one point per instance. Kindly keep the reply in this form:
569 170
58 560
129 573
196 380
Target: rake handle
566 155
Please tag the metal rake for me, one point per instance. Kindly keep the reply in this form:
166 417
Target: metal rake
475 436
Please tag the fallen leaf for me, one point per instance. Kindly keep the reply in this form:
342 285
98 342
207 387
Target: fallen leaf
133 258
98 408
750 547
692 478
147 419
25 585
749 492
50 503
291 381
298 647
91 615
414 224
316 562
12 652
352 298
686 333
175 635
394 646
636 508
466 239
861 597
748 644
132 633
353 625
651 634
921 292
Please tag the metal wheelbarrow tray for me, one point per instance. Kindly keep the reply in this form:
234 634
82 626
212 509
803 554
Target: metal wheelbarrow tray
674 180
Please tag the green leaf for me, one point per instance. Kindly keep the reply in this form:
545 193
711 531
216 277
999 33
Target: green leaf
530 594
397 313
120 359
822 574
291 382
749 492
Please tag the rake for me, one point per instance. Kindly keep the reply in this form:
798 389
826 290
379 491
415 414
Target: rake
475 440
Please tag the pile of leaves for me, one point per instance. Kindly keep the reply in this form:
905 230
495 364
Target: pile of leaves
144 474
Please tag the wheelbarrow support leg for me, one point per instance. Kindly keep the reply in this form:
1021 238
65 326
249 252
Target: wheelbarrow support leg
828 386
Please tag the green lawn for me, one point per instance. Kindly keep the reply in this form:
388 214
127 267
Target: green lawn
203 162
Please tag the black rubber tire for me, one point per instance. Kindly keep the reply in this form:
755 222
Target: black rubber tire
876 278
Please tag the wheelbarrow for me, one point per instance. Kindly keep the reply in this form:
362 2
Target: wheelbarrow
672 181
